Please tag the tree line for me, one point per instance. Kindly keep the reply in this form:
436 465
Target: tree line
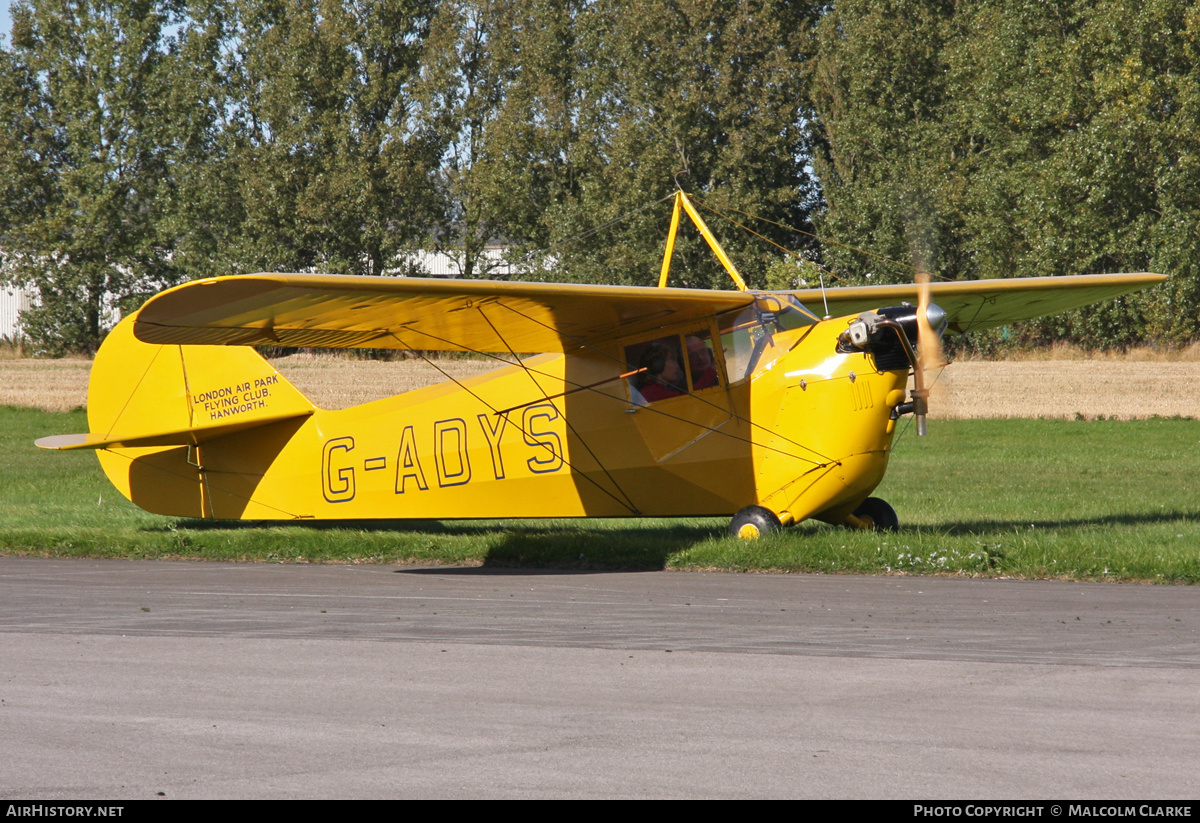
1018 138
147 142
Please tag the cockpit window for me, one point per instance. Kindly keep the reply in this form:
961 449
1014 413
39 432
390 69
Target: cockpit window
672 366
747 337
740 332
660 373
790 313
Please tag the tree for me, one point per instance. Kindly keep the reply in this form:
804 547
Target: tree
330 146
509 97
1017 138
85 162
575 115
881 92
713 90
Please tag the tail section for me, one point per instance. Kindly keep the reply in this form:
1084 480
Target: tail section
151 409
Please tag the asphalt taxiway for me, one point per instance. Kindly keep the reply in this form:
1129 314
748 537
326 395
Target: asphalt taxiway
134 680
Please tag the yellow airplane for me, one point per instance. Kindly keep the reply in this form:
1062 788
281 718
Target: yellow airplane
644 402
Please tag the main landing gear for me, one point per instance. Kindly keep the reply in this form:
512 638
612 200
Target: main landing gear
753 522
873 513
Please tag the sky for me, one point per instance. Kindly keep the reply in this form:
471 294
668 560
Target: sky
5 21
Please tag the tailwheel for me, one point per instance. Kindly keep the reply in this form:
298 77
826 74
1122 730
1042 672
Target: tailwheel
753 522
877 515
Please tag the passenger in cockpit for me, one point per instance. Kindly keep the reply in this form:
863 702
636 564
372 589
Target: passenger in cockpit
664 376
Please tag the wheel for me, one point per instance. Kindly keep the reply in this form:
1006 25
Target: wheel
878 513
753 522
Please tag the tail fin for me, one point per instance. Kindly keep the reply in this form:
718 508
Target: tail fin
150 406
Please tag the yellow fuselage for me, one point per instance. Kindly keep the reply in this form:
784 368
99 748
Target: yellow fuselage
805 434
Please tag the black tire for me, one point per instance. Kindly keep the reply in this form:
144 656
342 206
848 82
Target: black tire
753 522
882 516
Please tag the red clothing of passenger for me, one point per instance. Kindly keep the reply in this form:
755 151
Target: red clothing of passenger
705 380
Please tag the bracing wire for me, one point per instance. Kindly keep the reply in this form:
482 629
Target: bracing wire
806 234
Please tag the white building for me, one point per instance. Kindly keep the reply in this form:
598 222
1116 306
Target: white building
12 303
441 264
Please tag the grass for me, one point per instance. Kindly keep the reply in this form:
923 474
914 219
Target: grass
1095 500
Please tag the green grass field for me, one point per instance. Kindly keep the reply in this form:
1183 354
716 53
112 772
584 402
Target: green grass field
1100 500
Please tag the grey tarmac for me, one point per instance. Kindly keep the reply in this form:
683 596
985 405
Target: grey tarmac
127 680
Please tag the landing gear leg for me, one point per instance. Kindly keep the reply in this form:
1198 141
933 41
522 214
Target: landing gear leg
876 514
753 522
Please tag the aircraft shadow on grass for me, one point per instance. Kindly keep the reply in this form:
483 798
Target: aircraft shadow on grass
539 547
527 543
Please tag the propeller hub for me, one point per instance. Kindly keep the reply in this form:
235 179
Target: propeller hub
935 315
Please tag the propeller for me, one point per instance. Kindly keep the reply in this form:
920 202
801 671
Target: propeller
931 319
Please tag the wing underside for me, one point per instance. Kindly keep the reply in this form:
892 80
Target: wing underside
332 311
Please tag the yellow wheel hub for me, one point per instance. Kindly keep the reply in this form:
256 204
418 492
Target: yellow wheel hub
749 532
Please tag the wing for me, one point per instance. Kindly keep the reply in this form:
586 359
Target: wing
984 304
340 311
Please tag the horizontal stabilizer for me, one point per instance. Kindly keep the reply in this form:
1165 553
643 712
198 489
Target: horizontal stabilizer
179 437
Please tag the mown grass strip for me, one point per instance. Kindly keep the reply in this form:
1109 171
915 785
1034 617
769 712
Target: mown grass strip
1097 500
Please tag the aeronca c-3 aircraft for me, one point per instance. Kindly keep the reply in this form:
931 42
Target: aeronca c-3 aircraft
646 402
